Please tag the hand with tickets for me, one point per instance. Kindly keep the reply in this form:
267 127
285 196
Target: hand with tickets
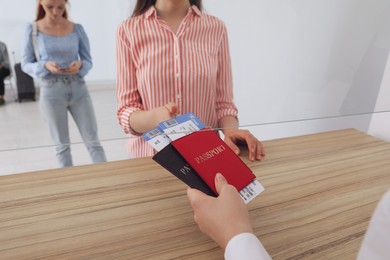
144 120
223 217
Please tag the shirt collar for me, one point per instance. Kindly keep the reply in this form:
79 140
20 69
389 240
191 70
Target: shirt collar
195 10
153 12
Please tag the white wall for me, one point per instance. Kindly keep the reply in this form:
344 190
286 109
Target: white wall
292 60
296 60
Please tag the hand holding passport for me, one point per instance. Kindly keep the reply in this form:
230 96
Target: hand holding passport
195 155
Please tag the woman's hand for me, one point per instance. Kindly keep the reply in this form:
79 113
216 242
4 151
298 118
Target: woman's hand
142 121
235 136
73 68
53 67
165 112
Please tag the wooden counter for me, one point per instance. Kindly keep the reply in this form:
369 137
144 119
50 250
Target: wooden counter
320 192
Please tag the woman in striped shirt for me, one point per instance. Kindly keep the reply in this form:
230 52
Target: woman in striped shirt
173 59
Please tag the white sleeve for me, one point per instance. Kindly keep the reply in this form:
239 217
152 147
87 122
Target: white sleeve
376 241
245 246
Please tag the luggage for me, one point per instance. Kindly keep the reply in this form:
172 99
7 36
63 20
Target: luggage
24 84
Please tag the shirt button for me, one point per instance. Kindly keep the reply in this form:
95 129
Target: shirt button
177 75
178 96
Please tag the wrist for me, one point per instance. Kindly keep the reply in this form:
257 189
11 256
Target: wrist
227 130
235 232
159 114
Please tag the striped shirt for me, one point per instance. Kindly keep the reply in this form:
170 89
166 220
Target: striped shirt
156 66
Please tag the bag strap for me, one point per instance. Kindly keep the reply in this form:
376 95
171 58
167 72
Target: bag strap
35 40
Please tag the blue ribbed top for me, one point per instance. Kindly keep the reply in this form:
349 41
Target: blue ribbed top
60 49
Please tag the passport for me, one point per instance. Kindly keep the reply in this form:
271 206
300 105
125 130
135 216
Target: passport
177 138
171 160
208 154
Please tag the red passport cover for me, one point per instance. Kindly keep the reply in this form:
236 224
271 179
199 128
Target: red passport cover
208 154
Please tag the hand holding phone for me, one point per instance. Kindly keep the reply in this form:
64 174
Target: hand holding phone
63 69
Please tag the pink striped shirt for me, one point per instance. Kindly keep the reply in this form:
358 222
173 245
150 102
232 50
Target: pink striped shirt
156 66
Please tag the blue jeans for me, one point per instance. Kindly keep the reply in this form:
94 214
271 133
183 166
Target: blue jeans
60 94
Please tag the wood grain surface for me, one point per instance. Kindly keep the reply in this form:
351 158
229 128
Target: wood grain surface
320 192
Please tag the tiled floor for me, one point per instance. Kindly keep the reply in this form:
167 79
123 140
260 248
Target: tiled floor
25 144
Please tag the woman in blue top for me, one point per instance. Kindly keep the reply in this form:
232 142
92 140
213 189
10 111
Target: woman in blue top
63 60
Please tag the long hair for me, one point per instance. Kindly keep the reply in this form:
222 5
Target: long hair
41 12
143 5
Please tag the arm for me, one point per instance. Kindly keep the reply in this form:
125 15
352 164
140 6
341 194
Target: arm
131 114
245 246
30 66
227 111
144 120
84 65
226 220
233 136
4 59
376 241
